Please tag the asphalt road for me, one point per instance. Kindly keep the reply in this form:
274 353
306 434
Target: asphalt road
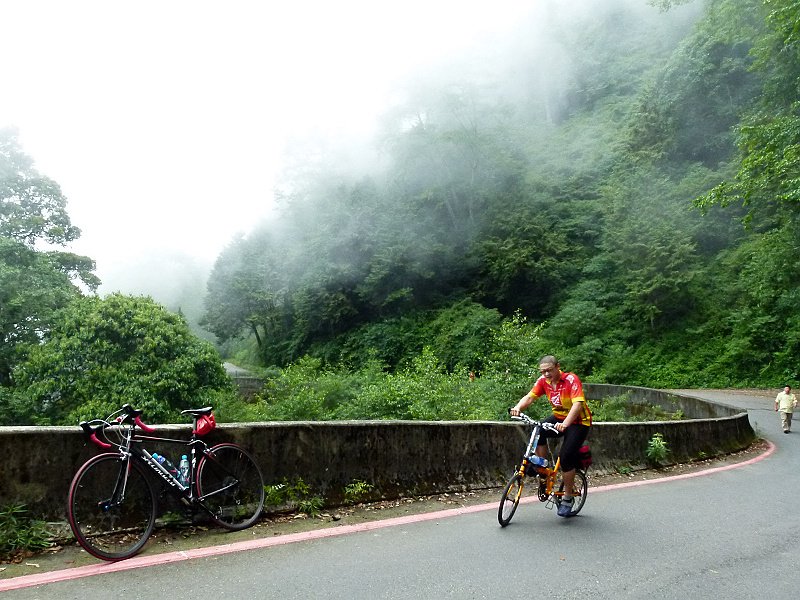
730 534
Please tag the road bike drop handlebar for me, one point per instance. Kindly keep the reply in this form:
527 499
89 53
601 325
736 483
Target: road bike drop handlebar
130 416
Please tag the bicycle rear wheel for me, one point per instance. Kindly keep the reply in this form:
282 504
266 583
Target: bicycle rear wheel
230 486
579 497
111 507
510 499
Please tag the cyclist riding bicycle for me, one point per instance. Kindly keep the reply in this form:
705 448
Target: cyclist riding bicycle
571 416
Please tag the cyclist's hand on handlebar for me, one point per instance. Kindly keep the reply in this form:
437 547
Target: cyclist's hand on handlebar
513 411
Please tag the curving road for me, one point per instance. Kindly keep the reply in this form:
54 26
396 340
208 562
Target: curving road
731 534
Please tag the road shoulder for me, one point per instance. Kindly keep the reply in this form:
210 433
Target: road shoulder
186 538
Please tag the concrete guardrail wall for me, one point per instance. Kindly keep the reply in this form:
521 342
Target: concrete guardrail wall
396 457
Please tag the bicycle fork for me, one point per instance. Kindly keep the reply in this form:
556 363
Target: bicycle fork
120 485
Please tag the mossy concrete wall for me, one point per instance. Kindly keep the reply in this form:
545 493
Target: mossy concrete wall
396 457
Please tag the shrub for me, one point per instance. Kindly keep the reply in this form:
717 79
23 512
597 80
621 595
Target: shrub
357 491
657 449
21 533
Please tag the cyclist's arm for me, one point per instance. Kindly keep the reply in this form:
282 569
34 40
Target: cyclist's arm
523 403
573 415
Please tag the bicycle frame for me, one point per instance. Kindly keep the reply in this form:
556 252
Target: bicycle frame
551 488
112 504
131 447
544 471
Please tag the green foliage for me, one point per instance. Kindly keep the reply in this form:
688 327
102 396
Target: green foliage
459 334
769 134
657 449
102 353
32 207
569 204
610 409
357 491
535 214
424 390
311 506
19 532
516 348
34 283
296 494
276 495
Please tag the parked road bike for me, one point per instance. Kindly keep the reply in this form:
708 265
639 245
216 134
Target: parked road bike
547 475
112 502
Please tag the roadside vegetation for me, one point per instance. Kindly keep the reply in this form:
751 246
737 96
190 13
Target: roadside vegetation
635 214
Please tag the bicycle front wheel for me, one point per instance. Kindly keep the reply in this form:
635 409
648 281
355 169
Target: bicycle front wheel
230 486
111 507
510 499
581 487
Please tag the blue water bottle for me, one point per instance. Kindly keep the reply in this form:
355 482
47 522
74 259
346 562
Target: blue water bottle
538 461
164 462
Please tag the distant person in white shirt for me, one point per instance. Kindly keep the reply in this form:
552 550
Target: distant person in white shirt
786 402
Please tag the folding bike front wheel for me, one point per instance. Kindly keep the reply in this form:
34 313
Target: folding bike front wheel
510 499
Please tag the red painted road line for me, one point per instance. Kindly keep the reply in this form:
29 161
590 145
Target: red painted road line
170 557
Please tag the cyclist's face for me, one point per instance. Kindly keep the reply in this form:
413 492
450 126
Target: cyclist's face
549 370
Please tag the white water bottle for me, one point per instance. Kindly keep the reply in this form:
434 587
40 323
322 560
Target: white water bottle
183 470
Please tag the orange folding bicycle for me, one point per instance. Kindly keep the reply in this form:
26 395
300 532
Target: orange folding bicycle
547 473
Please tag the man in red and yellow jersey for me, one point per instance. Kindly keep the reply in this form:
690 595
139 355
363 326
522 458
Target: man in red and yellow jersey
571 416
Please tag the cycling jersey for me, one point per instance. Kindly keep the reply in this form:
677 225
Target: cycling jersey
561 397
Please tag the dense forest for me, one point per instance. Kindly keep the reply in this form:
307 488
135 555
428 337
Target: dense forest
624 178
618 184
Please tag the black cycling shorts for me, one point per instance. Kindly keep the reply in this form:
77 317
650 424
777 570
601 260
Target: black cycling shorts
572 437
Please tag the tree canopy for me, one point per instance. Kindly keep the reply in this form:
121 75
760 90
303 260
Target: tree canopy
65 356
621 200
35 279
618 186
101 353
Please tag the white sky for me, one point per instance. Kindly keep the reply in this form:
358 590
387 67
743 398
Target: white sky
164 121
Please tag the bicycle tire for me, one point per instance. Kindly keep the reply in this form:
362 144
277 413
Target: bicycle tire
510 499
230 486
106 528
581 489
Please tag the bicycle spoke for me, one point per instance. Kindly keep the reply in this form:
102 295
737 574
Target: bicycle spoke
579 492
111 512
231 487
510 499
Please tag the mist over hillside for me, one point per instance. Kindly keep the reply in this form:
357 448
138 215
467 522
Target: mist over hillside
611 182
535 75
455 195
177 281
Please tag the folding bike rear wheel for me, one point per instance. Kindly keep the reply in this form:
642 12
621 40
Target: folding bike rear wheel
581 488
